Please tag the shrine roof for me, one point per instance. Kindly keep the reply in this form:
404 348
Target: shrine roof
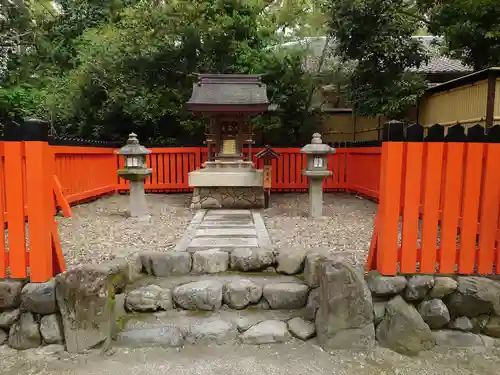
228 90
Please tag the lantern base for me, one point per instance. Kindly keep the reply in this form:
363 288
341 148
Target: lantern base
228 197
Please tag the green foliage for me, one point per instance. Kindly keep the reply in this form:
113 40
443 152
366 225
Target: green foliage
377 35
471 29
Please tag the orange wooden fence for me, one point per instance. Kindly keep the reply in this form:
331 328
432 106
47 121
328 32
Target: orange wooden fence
30 244
355 169
438 210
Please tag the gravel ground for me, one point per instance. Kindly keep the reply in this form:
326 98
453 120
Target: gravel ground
99 230
346 227
294 358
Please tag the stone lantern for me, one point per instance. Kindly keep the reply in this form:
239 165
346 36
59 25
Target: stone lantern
136 171
317 169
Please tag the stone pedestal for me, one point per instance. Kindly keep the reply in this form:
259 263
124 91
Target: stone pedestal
228 197
138 203
228 185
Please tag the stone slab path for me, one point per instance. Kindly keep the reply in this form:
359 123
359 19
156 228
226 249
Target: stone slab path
225 230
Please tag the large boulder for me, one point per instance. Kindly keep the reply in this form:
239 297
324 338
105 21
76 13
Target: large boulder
266 332
291 262
85 296
210 261
10 293
24 334
51 329
199 295
166 264
435 313
149 298
169 337
209 331
418 287
403 330
345 317
9 317
443 286
252 259
474 296
385 285
286 295
238 294
301 329
39 298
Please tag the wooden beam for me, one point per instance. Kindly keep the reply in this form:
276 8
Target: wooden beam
490 101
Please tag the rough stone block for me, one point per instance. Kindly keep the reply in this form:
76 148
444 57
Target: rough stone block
479 322
266 332
39 298
210 261
169 337
313 259
492 328
166 264
238 294
3 337
403 329
291 262
462 323
385 285
301 329
199 295
10 293
9 317
345 317
121 271
457 339
474 296
210 331
252 259
286 295
24 334
149 298
51 329
85 296
435 313
443 286
378 311
418 287
312 305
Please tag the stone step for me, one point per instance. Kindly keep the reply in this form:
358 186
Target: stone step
229 212
228 224
228 218
222 243
174 328
226 232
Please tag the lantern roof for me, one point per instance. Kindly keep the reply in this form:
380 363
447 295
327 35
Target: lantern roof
133 147
317 146
227 92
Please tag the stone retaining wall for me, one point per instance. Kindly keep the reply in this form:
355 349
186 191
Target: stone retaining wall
348 309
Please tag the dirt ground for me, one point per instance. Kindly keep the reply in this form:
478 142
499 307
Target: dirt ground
295 358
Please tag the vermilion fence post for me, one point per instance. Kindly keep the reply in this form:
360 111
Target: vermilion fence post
15 200
39 199
390 196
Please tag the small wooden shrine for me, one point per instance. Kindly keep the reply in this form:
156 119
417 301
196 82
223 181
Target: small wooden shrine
229 179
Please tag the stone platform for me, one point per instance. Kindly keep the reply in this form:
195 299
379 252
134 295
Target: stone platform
225 230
